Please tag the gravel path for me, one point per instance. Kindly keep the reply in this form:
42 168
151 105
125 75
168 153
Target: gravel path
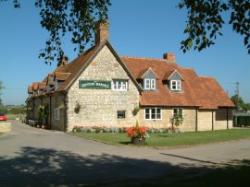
37 157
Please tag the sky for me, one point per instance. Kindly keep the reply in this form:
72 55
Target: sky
137 28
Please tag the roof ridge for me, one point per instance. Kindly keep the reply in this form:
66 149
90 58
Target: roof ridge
145 58
206 77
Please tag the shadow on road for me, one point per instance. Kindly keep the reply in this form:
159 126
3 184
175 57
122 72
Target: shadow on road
48 167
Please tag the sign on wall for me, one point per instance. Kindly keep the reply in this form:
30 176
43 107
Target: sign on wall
94 84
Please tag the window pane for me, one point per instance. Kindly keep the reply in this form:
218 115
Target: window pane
175 111
120 85
153 84
153 116
147 116
178 85
121 114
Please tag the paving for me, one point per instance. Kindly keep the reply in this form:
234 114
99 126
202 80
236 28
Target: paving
36 157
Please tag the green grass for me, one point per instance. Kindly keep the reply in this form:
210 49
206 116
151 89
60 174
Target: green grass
171 140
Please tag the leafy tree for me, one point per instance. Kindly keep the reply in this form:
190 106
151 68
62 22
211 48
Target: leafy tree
76 17
79 17
205 21
239 102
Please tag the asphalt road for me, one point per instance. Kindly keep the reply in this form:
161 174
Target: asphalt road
37 157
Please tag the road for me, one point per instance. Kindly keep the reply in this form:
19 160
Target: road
37 157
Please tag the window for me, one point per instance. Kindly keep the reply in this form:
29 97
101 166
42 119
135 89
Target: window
149 84
153 113
57 114
175 85
121 114
177 111
120 85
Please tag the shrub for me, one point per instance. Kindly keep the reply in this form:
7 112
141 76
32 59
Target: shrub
137 132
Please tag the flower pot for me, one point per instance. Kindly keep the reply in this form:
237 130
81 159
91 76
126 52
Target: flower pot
138 140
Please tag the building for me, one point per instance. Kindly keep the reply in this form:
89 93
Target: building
100 88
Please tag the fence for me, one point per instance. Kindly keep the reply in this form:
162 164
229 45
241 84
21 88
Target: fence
241 121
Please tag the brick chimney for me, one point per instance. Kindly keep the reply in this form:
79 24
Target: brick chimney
102 32
170 57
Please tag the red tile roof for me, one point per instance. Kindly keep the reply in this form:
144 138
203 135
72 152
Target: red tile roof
197 91
201 92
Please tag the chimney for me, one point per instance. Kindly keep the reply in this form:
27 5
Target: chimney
102 32
170 57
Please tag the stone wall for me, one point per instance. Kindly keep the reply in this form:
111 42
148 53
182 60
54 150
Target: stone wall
57 103
99 106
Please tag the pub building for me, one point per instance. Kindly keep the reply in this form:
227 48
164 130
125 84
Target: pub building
102 89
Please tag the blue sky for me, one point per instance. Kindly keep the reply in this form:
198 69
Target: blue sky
137 28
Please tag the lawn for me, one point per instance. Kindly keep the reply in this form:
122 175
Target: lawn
171 140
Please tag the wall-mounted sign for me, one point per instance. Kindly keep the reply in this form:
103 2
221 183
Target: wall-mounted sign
94 84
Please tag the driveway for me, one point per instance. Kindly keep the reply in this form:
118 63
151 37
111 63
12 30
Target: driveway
37 157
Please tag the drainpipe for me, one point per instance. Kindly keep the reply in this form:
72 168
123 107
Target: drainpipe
227 119
50 112
196 120
65 112
212 120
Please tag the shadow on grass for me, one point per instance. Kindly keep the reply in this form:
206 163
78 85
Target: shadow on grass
49 167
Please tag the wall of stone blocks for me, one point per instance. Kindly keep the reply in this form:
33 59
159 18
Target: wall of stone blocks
99 106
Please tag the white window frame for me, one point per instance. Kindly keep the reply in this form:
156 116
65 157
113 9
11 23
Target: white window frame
149 84
176 83
119 85
150 113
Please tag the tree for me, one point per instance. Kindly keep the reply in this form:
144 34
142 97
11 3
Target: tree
239 102
205 21
77 17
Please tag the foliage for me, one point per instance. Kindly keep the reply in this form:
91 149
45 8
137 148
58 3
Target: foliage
136 110
205 21
3 109
137 132
43 114
239 102
76 17
176 120
17 110
77 108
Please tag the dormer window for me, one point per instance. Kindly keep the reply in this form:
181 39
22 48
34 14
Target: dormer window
174 80
148 79
175 85
149 84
